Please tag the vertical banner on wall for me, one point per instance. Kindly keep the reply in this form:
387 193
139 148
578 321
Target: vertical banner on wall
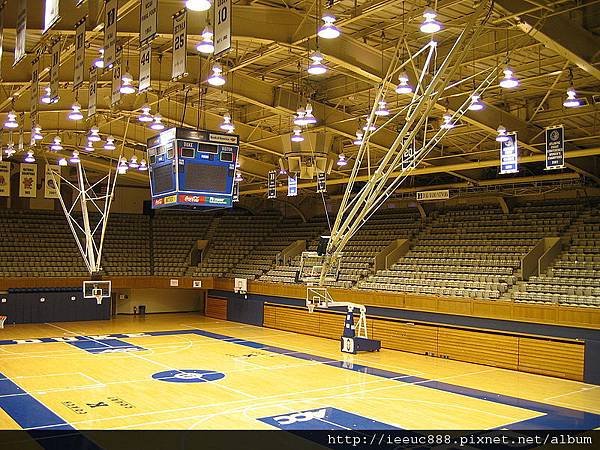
148 20
79 69
321 182
555 147
21 37
292 185
52 181
145 65
179 67
509 154
236 192
4 179
28 180
115 96
35 95
110 32
408 157
55 71
51 16
93 92
222 21
272 184
2 5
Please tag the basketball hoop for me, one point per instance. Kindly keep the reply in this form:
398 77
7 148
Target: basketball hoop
311 307
97 293
2 319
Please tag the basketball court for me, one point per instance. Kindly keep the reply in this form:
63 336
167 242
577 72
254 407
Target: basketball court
185 371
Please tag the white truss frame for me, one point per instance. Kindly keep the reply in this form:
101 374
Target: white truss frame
389 173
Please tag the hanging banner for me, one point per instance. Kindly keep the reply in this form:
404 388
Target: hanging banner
55 71
21 37
35 95
51 16
321 182
555 147
79 70
509 155
110 32
179 67
4 179
272 184
148 21
52 189
292 186
236 192
2 5
145 64
115 96
93 92
442 194
408 157
28 180
222 21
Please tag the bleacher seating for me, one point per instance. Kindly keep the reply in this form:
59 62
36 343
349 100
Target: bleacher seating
127 246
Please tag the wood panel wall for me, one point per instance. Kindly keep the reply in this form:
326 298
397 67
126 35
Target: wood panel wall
215 308
554 357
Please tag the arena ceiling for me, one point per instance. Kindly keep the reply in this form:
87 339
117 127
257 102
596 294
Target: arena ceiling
548 44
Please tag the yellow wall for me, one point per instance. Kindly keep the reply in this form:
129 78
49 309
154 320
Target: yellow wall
160 300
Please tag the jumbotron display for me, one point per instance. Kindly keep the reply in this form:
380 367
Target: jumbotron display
192 168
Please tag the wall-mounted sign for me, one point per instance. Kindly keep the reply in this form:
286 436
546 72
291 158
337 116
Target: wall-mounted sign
555 147
509 154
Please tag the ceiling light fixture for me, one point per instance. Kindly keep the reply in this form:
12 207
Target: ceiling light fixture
89 147
501 137
62 162
143 165
430 25
206 45
216 79
447 125
571 101
359 138
56 145
126 84
342 160
299 117
403 86
110 143
133 163
75 157
37 133
297 136
11 121
328 30
382 110
369 127
123 166
30 158
10 150
45 98
238 176
476 104
316 67
99 61
309 119
94 134
145 116
75 113
509 81
227 125
157 125
198 5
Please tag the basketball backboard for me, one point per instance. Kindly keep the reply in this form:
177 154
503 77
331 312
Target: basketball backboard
97 289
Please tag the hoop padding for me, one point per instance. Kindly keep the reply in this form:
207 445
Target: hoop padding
2 319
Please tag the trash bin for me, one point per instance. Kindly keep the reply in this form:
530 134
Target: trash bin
142 310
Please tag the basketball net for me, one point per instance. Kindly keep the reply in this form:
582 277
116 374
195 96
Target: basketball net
2 319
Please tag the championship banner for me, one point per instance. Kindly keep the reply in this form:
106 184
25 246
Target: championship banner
4 179
292 186
93 92
555 147
115 96
28 180
52 189
79 70
222 21
110 32
35 95
2 5
179 67
51 16
145 65
148 21
509 154
321 182
55 71
272 184
236 192
21 37
408 157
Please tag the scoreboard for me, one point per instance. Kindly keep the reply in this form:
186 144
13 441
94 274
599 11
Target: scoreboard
192 168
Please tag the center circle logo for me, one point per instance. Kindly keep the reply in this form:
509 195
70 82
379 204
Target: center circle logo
188 376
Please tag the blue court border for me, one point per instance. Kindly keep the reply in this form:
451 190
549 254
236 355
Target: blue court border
553 417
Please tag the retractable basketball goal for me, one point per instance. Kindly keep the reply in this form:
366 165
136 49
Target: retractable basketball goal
2 320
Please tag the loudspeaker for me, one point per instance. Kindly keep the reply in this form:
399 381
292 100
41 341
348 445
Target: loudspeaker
322 247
